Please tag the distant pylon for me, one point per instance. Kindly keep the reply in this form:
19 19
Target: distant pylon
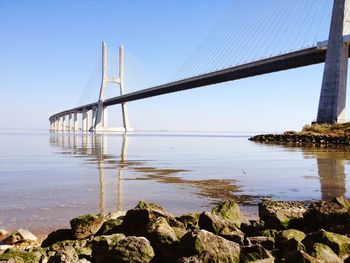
331 108
100 123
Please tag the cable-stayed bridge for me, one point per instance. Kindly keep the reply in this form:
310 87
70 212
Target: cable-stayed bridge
334 51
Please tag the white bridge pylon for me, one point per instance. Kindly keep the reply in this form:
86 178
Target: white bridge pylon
99 114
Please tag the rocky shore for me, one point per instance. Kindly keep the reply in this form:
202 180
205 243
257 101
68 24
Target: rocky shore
303 139
285 232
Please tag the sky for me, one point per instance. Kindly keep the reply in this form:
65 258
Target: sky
50 56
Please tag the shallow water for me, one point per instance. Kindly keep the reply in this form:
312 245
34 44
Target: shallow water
46 179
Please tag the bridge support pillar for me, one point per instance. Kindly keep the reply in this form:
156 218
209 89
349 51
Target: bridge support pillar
93 118
75 122
331 107
100 123
63 123
85 120
70 122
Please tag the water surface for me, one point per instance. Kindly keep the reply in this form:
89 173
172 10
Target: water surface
46 179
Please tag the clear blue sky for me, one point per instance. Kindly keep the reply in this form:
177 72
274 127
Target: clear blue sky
49 50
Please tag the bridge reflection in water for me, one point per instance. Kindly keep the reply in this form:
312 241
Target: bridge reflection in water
331 170
95 147
98 151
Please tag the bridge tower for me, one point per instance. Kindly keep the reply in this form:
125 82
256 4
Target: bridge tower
331 108
100 120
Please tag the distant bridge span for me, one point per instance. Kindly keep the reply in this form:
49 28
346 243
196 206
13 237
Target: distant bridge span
295 59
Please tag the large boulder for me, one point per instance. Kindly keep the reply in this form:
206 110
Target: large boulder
230 211
190 220
325 254
21 235
86 225
338 243
216 249
101 245
137 221
212 223
57 236
331 215
111 226
290 240
131 249
280 214
266 242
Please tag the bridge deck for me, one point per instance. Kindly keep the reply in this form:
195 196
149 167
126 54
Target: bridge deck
300 58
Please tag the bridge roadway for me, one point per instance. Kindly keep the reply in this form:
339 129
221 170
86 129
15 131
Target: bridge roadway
295 59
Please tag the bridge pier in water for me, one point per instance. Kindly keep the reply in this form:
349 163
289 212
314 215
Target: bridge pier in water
332 101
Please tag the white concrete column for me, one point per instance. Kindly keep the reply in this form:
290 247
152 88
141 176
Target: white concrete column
51 125
56 124
105 117
85 120
93 117
75 121
331 108
125 115
70 121
63 123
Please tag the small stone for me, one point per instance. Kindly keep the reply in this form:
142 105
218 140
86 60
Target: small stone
302 257
86 225
3 234
21 235
68 255
15 255
5 247
230 211
255 253
266 242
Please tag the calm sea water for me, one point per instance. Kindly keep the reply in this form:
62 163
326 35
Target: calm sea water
47 179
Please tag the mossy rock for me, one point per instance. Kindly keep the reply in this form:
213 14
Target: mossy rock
216 248
101 245
230 211
325 254
111 226
189 220
86 225
280 214
289 241
270 233
57 236
255 253
147 205
18 255
301 257
131 249
340 244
